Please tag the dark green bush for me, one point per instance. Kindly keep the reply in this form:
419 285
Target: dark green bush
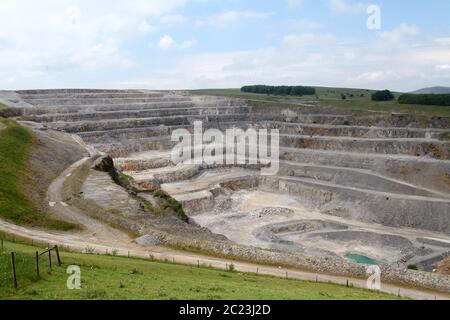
384 95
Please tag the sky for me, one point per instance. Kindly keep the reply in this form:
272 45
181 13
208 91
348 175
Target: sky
194 44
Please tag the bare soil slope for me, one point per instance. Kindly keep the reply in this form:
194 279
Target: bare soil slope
51 154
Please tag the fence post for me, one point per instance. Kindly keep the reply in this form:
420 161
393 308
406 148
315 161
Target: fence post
57 255
13 263
2 244
50 258
37 264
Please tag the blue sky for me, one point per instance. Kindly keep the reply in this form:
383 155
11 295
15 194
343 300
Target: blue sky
182 44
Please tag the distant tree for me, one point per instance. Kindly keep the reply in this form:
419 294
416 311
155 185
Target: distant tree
384 95
280 90
425 99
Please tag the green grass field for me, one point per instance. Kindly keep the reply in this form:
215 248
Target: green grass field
109 277
15 146
331 98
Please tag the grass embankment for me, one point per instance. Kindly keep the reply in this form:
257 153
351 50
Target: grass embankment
356 100
15 146
109 277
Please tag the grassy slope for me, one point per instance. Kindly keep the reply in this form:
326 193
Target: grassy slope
108 277
331 97
15 145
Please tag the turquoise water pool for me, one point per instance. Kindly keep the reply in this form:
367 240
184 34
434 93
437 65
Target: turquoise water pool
361 259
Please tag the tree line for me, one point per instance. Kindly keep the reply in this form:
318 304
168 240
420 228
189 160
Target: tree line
280 90
426 99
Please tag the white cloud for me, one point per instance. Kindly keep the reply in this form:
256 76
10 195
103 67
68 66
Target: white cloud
230 17
146 27
187 43
429 55
167 42
399 34
53 42
443 41
304 24
308 39
315 59
172 19
375 77
443 67
346 6
48 37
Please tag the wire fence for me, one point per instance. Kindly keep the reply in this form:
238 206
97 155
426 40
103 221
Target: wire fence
18 269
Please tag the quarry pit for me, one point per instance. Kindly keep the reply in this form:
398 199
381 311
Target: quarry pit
370 185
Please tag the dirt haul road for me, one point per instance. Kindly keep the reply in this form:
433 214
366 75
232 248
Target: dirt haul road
101 238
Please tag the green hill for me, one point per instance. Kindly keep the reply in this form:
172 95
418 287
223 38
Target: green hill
433 90
15 146
354 100
109 277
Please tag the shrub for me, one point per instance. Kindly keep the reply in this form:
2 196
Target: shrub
159 194
171 203
384 95
90 250
136 272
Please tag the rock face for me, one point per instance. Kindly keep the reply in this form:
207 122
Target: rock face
148 240
106 164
